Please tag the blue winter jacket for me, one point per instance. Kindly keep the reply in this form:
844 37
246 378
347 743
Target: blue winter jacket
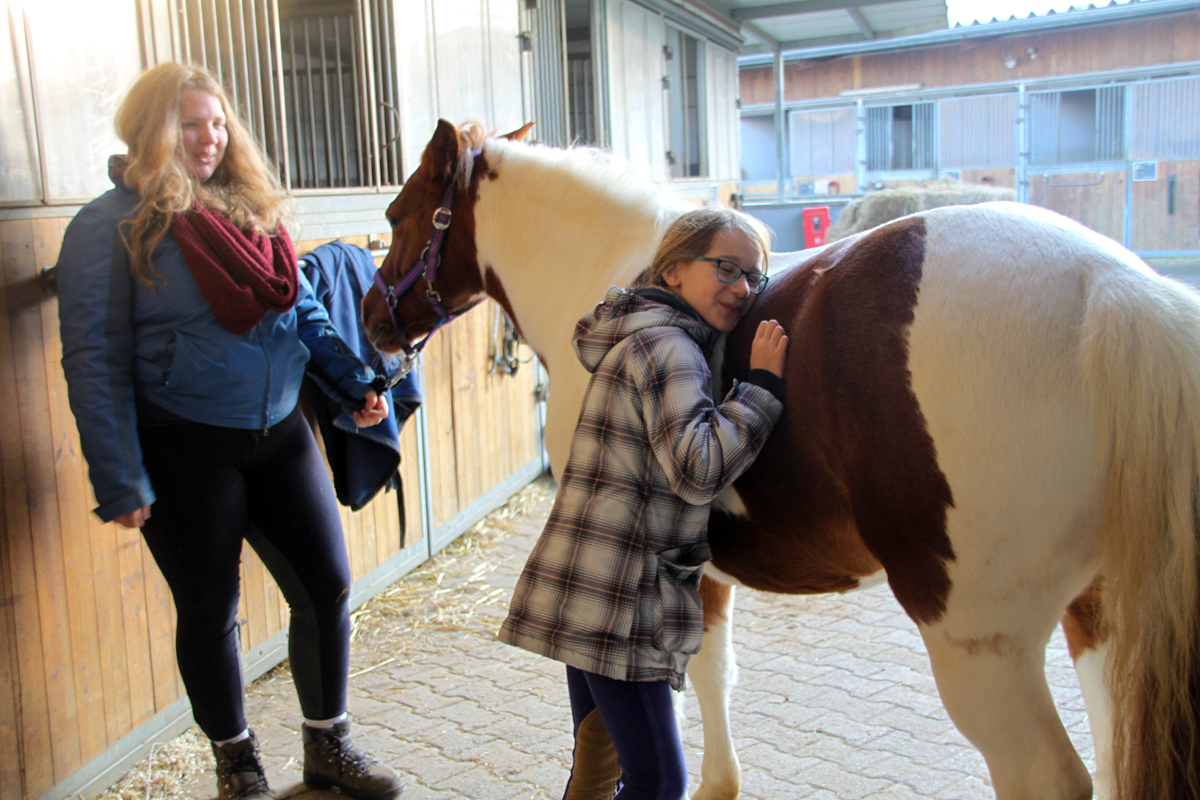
121 338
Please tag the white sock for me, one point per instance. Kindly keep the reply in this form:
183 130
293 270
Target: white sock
243 735
325 723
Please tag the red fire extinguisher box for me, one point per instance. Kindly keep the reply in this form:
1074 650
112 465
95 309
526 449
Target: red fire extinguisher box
816 222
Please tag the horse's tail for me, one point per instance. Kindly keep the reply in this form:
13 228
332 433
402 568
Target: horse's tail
1141 345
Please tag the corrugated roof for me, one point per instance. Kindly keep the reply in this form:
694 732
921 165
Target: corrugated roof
1091 15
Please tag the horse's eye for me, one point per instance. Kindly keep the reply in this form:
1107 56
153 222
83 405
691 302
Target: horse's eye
392 221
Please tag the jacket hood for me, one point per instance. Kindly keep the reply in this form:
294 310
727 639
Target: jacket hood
623 314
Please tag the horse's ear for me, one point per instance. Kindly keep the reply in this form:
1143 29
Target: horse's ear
442 152
519 134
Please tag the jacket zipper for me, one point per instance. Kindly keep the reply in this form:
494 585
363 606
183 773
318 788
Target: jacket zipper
267 395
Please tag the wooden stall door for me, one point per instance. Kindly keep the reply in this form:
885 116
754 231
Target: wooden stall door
87 624
1095 199
482 424
1162 222
87 630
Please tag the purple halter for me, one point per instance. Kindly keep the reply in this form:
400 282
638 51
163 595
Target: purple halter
427 267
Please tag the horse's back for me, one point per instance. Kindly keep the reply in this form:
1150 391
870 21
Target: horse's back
938 387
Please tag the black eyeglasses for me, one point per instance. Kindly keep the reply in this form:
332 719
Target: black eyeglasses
729 272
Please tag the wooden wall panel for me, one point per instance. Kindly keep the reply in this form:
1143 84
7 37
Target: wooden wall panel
1064 52
10 741
72 484
1153 227
30 720
439 410
494 421
110 620
474 463
87 631
414 526
1095 199
42 524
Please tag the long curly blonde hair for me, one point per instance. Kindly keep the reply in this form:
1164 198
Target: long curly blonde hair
243 188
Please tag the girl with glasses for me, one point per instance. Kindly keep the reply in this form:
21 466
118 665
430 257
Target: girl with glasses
612 587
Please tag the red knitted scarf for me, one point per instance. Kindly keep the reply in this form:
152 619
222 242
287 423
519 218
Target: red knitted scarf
240 274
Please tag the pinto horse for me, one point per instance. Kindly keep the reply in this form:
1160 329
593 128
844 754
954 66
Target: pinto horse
992 407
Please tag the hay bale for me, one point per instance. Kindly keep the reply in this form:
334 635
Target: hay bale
886 205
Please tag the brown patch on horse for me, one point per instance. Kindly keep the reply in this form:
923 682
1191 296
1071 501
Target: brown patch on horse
849 479
1083 622
448 157
495 289
715 596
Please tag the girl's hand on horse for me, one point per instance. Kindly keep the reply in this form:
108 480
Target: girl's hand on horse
374 410
769 347
134 519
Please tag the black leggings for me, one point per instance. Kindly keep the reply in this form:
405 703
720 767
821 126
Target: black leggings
210 482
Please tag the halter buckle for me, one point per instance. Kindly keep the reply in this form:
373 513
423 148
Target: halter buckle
432 294
441 218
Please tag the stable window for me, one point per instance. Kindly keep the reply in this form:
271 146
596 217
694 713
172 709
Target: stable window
685 86
977 132
1081 126
822 142
900 138
315 81
60 86
1166 119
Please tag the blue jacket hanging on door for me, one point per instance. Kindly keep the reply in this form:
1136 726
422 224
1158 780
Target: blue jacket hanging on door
363 460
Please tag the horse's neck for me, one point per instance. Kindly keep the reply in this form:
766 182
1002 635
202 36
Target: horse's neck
556 245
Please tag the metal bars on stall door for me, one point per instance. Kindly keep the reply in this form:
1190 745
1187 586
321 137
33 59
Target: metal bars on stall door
318 86
234 39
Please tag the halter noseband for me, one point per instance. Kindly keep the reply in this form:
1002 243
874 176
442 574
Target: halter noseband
426 267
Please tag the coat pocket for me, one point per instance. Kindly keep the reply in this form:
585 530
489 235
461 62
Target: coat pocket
680 619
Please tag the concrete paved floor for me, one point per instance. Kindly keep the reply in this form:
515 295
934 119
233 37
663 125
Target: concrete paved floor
835 698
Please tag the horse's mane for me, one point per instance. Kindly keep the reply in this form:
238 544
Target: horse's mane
579 206
589 181
473 136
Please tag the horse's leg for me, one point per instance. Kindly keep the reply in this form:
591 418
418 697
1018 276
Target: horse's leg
993 684
712 672
1086 635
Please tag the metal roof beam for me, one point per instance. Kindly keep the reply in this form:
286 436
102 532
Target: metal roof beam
960 34
804 7
861 23
757 55
758 33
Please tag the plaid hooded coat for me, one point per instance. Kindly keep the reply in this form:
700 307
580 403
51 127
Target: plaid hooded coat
612 585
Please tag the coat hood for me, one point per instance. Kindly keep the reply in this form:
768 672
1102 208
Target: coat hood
624 313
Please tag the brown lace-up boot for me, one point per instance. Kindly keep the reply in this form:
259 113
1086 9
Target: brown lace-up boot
331 760
240 774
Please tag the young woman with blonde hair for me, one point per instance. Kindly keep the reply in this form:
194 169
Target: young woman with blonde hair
186 330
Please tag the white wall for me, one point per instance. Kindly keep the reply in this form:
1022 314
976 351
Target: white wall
458 60
637 123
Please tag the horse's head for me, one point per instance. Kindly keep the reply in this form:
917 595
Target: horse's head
430 274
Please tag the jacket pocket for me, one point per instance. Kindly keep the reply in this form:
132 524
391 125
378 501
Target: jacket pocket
679 618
